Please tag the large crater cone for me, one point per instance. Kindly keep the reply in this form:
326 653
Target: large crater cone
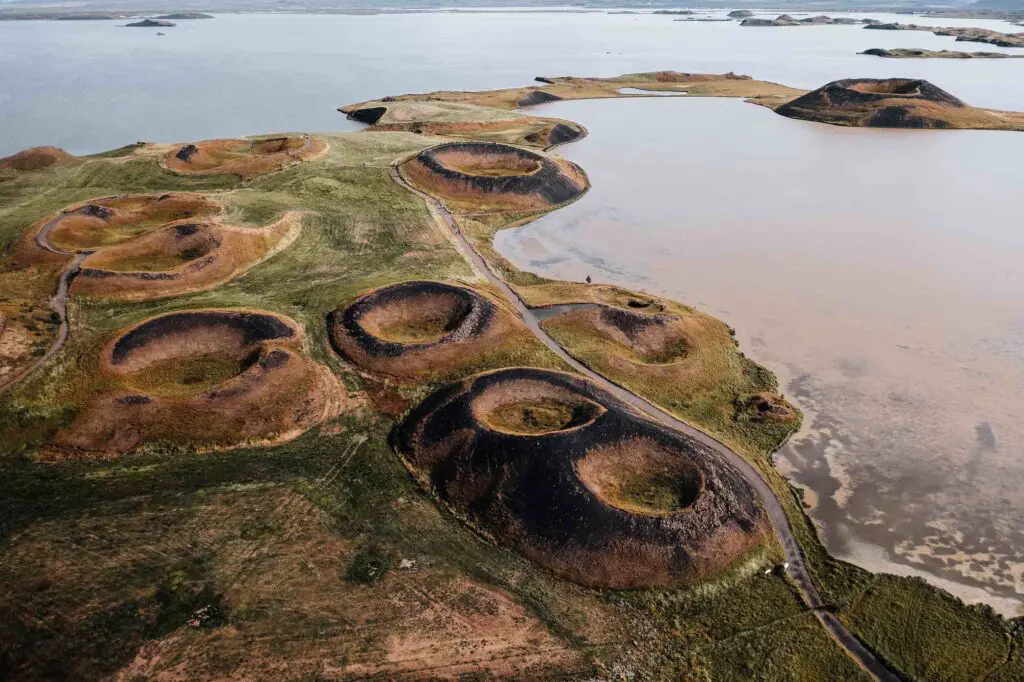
489 176
409 316
880 103
211 378
426 331
573 479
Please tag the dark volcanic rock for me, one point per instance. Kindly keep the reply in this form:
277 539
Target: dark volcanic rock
186 152
95 211
368 115
537 97
532 492
547 182
562 134
151 23
252 328
883 103
183 16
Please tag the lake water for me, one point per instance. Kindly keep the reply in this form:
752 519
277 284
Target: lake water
94 85
876 271
879 274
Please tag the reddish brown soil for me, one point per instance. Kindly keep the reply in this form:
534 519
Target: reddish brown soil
156 245
207 254
276 393
36 158
246 158
474 326
102 222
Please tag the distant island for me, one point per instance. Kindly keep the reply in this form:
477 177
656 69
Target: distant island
961 33
183 16
151 23
821 20
894 103
910 53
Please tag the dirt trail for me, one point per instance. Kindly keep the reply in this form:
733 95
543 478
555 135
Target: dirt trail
58 302
780 522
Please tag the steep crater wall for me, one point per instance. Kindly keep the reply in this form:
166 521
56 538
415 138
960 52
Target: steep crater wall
570 477
494 176
208 378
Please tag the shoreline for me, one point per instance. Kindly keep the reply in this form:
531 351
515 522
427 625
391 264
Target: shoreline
971 591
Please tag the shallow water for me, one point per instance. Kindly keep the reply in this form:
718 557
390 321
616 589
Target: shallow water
878 272
94 85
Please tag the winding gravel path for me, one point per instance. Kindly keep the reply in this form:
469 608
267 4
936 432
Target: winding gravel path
58 302
780 522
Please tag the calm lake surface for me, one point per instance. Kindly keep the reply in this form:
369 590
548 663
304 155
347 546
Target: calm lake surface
876 271
87 86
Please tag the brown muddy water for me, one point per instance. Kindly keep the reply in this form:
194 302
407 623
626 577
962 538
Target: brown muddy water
879 273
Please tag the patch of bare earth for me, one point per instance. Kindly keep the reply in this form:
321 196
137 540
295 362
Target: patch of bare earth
245 158
294 614
36 158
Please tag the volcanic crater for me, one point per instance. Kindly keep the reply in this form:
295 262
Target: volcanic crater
415 328
157 245
652 338
217 378
889 103
572 478
245 158
483 176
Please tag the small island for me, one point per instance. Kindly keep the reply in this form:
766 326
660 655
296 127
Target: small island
894 103
962 34
184 16
151 23
909 53
821 20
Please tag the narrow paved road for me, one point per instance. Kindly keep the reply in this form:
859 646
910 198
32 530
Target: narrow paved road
780 522
58 302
